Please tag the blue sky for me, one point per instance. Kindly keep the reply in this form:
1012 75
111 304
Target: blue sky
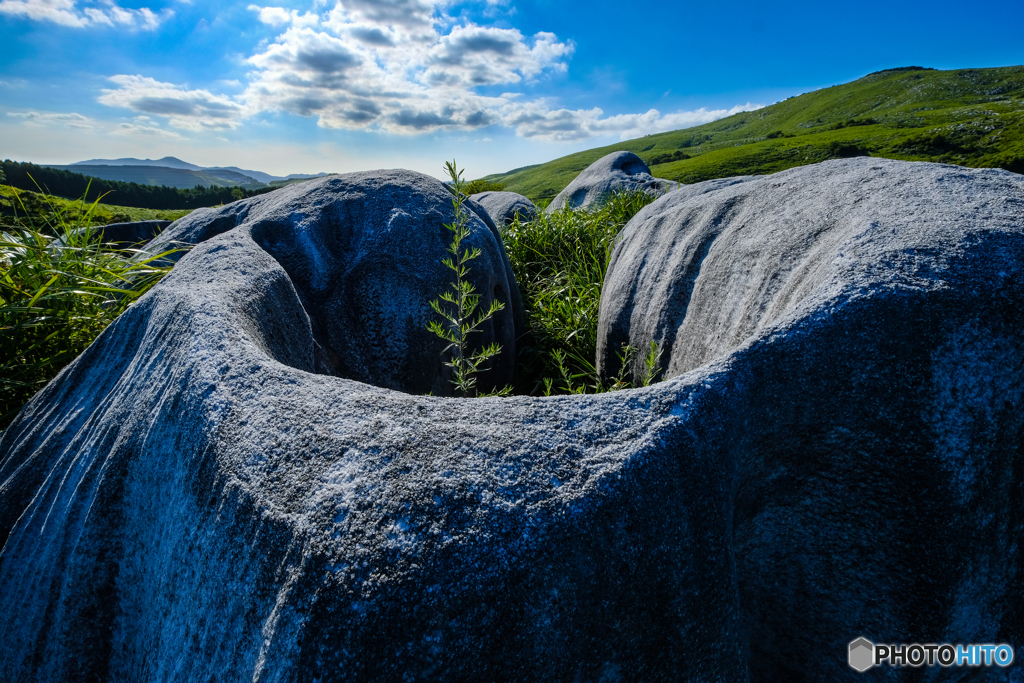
321 85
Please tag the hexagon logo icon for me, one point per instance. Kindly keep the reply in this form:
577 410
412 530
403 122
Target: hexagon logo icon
862 654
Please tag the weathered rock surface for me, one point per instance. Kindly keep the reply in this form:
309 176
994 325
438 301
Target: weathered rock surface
363 252
133 233
190 500
714 264
503 207
130 234
619 171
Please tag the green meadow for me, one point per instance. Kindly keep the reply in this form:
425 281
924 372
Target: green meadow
970 117
40 208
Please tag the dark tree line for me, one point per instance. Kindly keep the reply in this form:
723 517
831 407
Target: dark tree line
61 183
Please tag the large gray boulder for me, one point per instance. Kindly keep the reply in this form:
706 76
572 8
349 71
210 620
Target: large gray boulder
616 172
364 253
191 501
503 207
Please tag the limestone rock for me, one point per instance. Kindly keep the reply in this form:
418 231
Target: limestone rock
618 171
715 264
364 253
190 501
503 207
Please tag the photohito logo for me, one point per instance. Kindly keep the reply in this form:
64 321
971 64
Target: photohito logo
864 654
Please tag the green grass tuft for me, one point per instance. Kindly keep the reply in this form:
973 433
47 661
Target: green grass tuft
60 286
559 261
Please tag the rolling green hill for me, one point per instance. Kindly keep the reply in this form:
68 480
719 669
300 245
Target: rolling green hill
971 117
39 207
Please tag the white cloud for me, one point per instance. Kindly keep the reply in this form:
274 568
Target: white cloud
536 120
98 13
394 66
390 65
69 120
279 16
404 14
472 56
145 127
141 126
185 109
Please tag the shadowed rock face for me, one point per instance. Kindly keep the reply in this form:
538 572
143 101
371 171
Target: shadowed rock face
364 253
503 207
619 171
128 234
189 501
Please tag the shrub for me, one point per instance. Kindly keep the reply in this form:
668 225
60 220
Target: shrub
1009 162
929 144
854 122
481 185
845 149
668 157
1015 164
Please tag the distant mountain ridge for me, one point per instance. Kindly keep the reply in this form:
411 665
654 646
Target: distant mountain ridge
174 172
168 162
179 178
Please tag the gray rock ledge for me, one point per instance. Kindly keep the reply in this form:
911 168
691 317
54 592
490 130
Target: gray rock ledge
190 501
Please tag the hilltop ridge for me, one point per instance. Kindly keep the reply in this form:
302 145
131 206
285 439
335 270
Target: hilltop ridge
166 162
970 117
173 172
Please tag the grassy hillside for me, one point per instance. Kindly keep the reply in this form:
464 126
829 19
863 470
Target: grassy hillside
971 117
71 185
41 207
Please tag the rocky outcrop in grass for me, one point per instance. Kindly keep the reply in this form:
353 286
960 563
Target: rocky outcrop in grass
503 207
616 172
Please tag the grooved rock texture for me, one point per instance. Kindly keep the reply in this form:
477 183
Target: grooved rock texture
502 207
364 254
190 501
619 171
715 264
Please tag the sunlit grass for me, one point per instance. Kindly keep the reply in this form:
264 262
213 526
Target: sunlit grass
60 286
559 261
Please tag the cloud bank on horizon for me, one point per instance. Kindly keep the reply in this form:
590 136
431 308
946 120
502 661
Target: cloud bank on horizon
80 15
403 67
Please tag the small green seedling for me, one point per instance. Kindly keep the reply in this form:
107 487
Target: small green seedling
459 306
